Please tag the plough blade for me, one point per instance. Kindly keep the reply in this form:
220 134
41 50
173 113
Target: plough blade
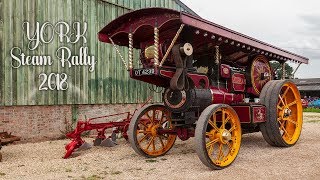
97 142
108 143
85 146
113 137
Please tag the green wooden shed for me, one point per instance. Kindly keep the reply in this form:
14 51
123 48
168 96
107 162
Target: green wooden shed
107 84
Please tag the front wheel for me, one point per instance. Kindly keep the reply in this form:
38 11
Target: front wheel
218 136
143 133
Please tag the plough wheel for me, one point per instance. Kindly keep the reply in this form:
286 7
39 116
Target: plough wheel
218 136
143 131
284 113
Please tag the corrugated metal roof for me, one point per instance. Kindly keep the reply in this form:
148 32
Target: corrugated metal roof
186 8
312 84
309 88
307 81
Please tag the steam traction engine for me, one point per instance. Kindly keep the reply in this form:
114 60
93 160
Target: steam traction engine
218 85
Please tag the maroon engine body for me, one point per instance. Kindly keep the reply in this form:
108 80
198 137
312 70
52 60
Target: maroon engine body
197 62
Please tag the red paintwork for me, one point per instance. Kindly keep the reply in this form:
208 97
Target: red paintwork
225 71
259 114
183 133
238 82
221 96
141 23
250 113
259 66
244 113
82 126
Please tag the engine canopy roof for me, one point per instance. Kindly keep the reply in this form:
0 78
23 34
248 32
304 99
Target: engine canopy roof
142 22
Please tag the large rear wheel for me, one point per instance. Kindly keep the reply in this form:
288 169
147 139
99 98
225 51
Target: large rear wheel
218 136
284 113
144 129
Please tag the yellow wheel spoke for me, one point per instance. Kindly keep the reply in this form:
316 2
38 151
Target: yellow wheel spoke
162 144
220 155
213 124
281 100
151 120
229 146
279 120
165 137
232 128
285 100
210 150
149 144
154 116
290 120
162 116
226 121
285 131
142 131
210 143
279 107
281 127
223 119
153 144
142 124
143 138
292 103
285 92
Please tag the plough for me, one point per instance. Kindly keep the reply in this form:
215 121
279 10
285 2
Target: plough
6 138
77 143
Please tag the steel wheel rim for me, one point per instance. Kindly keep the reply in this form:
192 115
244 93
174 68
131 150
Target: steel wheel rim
220 149
289 110
148 139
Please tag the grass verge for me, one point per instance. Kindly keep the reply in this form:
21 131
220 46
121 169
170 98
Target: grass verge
310 109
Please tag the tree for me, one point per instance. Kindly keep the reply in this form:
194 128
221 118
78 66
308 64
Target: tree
277 68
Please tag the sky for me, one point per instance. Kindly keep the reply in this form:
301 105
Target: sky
293 25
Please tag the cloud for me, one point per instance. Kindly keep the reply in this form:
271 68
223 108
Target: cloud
311 24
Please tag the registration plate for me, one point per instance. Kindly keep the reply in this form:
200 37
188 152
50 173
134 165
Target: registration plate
143 72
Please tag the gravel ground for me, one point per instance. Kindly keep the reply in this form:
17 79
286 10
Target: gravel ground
256 159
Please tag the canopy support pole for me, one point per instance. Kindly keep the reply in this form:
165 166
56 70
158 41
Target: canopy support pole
171 45
130 50
217 61
122 59
296 70
156 47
